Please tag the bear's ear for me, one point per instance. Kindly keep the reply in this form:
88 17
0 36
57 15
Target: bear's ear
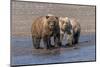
57 18
47 17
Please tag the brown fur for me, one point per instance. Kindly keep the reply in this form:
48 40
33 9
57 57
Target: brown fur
71 27
75 25
44 27
76 30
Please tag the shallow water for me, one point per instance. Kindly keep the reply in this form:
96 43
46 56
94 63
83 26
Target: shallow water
22 52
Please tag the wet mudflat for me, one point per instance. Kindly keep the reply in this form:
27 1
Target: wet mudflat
23 53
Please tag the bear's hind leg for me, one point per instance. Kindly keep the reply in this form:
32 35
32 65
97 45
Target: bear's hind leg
36 42
45 40
76 38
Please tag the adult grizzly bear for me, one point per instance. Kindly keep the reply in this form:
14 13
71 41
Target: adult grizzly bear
71 27
44 28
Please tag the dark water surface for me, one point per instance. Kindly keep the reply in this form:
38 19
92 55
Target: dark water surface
23 53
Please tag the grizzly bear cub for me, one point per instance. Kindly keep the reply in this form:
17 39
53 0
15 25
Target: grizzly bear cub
45 27
72 28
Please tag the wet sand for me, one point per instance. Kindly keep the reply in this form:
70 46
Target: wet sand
22 51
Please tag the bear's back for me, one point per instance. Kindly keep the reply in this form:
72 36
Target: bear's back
37 26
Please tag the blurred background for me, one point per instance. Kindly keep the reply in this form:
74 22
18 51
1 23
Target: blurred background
24 13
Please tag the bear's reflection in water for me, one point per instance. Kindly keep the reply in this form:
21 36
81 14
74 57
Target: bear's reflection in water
44 52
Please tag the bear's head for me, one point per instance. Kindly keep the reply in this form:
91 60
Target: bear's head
52 22
64 23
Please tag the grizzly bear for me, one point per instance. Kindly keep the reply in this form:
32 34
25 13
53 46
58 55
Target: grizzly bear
45 27
72 28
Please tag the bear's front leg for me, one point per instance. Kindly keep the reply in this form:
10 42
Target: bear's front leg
61 37
47 42
70 38
57 40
